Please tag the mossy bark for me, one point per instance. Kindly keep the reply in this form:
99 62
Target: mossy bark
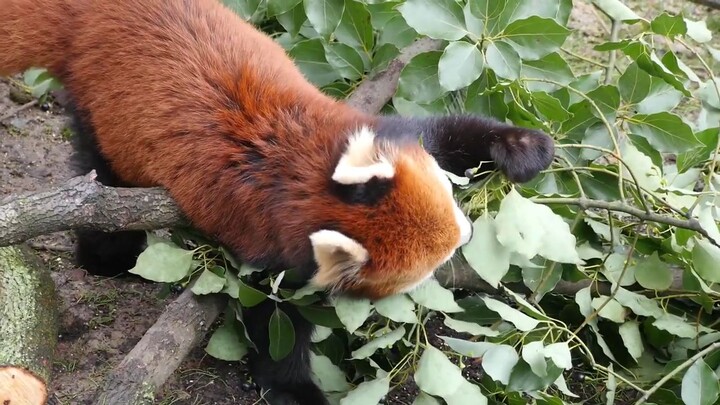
28 326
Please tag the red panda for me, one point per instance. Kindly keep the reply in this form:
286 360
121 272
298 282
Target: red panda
185 95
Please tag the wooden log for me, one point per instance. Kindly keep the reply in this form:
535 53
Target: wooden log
28 327
162 349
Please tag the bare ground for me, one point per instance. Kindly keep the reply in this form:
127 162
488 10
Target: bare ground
102 319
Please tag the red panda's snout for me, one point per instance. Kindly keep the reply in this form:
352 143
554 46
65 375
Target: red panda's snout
396 242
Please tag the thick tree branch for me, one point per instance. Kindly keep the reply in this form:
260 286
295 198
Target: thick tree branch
83 203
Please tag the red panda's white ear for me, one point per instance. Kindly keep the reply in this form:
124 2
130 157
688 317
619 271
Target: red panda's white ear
338 257
361 161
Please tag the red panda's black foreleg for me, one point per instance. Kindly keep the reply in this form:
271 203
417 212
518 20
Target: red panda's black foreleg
462 142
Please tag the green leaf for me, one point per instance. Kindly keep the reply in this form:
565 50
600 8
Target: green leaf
244 8
611 309
467 393
694 157
419 78
541 280
355 27
480 101
208 283
630 333
617 10
534 355
661 97
439 19
551 67
309 56
345 60
281 334
460 64
499 361
668 25
163 263
676 325
700 385
368 392
468 348
249 296
276 7
549 107
320 315
226 343
664 131
436 375
706 260
639 304
398 307
497 14
293 19
352 312
503 60
607 100
485 254
512 315
397 33
324 15
431 295
698 30
560 354
647 173
634 84
384 341
469 327
329 377
425 399
532 229
653 273
535 37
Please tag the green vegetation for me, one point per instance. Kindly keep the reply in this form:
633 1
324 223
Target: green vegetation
628 213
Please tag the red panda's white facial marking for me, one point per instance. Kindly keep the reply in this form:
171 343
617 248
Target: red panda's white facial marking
361 162
396 242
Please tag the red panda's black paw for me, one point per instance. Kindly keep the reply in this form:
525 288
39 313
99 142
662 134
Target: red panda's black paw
522 153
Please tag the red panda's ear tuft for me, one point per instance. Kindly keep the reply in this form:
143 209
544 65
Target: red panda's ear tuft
362 161
338 257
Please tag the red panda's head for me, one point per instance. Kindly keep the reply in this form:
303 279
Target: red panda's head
401 220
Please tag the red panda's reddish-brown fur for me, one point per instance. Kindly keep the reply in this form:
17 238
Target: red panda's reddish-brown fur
176 90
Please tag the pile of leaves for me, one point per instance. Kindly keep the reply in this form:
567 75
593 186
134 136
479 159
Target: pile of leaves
625 220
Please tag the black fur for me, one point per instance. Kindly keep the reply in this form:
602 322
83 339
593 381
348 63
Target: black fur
369 193
462 142
100 253
289 379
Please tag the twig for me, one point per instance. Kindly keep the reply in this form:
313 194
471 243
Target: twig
16 110
585 203
687 363
614 32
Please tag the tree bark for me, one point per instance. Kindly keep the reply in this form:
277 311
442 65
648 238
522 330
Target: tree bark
161 350
28 327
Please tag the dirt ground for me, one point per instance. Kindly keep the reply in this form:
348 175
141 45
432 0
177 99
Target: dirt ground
102 319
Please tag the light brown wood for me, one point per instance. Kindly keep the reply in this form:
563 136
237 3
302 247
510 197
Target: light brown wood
20 387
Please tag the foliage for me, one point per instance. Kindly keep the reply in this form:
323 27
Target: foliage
630 206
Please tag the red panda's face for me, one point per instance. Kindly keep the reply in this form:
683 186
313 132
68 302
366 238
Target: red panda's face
395 243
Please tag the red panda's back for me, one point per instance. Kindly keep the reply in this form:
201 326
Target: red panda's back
157 74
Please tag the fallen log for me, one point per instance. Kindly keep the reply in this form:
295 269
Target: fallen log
28 327
162 349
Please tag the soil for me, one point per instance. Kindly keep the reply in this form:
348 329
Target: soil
102 319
